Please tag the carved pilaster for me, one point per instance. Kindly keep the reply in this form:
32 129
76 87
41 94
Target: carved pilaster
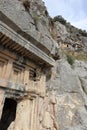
47 114
2 99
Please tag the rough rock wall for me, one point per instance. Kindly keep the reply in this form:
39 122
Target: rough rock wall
65 105
69 83
70 87
70 35
34 22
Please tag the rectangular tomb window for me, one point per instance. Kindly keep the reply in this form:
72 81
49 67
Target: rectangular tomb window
8 114
34 74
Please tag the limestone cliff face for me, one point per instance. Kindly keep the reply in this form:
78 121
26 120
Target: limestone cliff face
70 87
64 105
70 35
32 19
69 82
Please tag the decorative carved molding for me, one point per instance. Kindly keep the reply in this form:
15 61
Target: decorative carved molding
4 29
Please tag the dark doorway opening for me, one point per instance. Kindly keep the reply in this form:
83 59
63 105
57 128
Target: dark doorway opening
8 114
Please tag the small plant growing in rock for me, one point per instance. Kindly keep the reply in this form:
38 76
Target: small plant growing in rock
60 19
26 4
70 59
83 32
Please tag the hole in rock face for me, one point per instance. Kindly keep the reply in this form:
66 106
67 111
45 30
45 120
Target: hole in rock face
8 113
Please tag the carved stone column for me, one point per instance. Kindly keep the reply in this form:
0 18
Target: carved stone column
2 98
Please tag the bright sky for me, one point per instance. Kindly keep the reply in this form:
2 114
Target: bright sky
74 11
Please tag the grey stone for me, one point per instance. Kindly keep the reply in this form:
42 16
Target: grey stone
79 127
80 68
84 84
65 79
66 84
15 11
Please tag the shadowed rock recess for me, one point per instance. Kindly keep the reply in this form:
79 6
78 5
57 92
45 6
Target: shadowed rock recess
43 69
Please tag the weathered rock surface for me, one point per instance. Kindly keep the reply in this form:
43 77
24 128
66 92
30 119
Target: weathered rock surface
34 22
69 85
64 105
69 36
